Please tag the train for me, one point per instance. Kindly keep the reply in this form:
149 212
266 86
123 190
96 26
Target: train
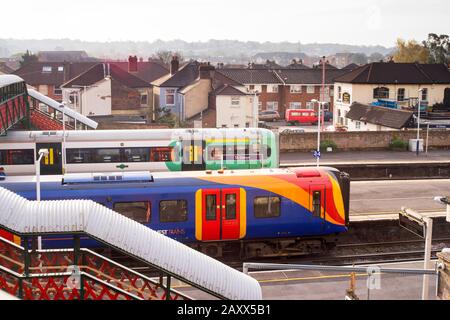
223 213
139 150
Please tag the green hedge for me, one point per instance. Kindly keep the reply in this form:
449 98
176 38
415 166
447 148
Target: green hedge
398 144
324 144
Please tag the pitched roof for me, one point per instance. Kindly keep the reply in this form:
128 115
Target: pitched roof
251 76
185 75
148 71
351 66
227 90
100 71
309 76
404 73
34 74
5 69
387 117
62 55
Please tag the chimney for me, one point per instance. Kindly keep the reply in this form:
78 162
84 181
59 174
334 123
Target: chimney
206 71
132 64
141 59
174 65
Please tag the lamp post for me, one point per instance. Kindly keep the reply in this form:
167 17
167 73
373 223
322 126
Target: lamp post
42 153
63 108
418 121
317 153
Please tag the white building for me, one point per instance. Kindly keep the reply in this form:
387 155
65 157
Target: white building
395 83
235 108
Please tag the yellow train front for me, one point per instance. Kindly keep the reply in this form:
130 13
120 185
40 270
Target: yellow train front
261 212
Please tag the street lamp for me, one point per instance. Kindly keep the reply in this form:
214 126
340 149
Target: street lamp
63 108
42 153
317 153
418 121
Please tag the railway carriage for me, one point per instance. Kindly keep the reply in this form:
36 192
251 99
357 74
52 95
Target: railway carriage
135 150
262 212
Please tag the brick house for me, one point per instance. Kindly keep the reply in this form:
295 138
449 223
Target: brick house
47 77
283 89
107 91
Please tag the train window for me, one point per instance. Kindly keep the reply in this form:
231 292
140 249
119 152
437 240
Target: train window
210 207
230 207
138 211
215 153
108 155
173 210
267 207
317 205
136 155
17 157
161 154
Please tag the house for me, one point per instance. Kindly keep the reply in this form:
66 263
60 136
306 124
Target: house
5 69
47 77
235 108
184 91
364 117
107 90
282 89
395 83
148 71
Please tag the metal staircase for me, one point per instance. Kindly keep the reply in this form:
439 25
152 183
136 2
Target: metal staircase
69 274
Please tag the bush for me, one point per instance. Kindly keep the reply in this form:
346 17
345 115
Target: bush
324 144
397 144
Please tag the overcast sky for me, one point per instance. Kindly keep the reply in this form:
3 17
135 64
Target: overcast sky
366 22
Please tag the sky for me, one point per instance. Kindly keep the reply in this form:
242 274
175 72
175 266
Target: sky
359 22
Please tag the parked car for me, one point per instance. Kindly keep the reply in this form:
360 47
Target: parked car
269 116
297 116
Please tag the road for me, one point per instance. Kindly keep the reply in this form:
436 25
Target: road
388 196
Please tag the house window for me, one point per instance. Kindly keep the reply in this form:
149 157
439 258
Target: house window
251 87
260 106
381 93
331 91
310 89
144 99
57 91
235 101
273 89
60 68
295 105
272 106
296 89
339 92
424 94
170 97
401 94
310 105
173 210
357 125
46 69
247 124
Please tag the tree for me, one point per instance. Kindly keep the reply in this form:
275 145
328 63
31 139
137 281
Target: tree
376 57
28 57
438 47
165 56
410 51
358 58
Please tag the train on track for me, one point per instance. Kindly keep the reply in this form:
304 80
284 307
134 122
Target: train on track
139 150
237 213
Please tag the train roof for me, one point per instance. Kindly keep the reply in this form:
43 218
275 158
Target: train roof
7 79
139 134
157 179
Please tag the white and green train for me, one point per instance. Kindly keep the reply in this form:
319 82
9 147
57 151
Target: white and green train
136 150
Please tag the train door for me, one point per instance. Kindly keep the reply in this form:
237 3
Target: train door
192 155
220 214
52 163
317 201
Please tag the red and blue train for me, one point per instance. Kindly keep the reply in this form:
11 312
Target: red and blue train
261 212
